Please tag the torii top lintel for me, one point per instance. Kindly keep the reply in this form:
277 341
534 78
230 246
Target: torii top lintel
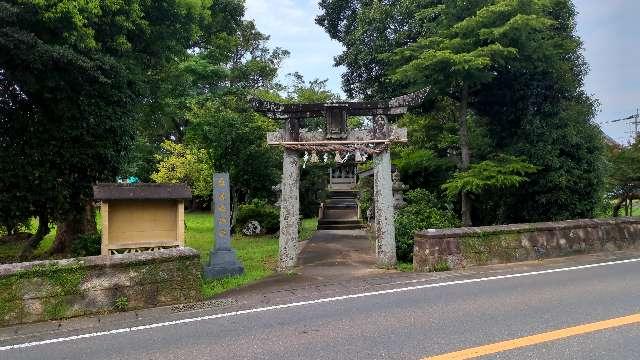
395 106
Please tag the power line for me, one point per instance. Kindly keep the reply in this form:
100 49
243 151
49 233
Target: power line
634 122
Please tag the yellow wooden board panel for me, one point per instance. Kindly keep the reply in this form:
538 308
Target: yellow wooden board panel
142 222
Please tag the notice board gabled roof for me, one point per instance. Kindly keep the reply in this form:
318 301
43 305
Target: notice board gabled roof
141 192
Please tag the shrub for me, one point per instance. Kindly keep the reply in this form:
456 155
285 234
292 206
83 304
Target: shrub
86 245
258 210
423 211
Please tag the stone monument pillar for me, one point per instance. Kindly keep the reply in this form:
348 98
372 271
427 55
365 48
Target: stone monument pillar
223 260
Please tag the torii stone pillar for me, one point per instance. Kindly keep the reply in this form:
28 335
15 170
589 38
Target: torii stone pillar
383 194
289 211
290 202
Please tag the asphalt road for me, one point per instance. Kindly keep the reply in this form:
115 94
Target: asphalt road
405 324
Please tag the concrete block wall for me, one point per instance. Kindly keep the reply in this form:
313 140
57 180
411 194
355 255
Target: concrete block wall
56 289
462 247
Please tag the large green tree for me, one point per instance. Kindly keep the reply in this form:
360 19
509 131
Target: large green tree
82 69
514 71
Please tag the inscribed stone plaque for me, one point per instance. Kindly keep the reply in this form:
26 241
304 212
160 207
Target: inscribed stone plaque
222 211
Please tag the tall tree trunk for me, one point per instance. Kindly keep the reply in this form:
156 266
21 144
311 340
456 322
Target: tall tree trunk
43 230
82 221
466 152
626 207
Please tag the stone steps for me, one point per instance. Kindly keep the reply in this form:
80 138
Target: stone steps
349 225
341 211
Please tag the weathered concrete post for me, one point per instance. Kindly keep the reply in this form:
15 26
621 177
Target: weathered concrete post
290 202
383 193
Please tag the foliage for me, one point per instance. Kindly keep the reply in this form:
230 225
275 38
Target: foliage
121 303
441 266
87 245
75 71
314 91
624 177
366 29
502 173
365 195
179 163
234 138
313 189
423 211
625 166
524 68
258 210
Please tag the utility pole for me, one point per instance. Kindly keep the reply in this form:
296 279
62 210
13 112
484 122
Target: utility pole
635 122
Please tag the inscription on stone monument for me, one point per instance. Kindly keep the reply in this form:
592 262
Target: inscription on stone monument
222 213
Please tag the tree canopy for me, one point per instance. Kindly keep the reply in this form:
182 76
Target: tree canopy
506 74
86 81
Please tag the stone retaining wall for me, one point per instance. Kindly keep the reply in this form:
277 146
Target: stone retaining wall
56 289
436 250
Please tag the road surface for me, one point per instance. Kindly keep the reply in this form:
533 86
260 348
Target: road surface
406 321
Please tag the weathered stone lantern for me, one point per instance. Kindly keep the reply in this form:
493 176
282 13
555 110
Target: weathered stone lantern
141 217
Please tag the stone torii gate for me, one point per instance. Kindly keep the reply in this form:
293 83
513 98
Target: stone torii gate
337 139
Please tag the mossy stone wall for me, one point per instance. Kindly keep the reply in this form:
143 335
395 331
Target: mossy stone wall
57 289
463 247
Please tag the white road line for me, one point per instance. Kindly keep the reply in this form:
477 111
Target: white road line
303 303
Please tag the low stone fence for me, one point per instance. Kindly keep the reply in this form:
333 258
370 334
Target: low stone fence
436 250
56 289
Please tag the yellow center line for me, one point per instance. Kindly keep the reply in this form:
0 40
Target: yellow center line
537 339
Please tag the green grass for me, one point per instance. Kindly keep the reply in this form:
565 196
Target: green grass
199 233
404 266
309 226
259 255
9 252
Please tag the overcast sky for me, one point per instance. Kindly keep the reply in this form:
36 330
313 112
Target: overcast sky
609 29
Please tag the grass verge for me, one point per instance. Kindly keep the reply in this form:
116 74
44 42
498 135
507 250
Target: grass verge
259 255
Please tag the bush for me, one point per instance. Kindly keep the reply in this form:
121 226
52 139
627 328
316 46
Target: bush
86 245
423 211
258 210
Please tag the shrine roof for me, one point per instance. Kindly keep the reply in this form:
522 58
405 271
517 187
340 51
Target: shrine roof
141 192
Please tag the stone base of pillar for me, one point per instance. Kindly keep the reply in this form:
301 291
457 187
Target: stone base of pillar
223 263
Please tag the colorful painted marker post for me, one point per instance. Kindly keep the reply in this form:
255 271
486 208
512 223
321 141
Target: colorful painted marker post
223 260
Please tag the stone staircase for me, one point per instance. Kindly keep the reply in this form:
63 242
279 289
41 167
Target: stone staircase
340 211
